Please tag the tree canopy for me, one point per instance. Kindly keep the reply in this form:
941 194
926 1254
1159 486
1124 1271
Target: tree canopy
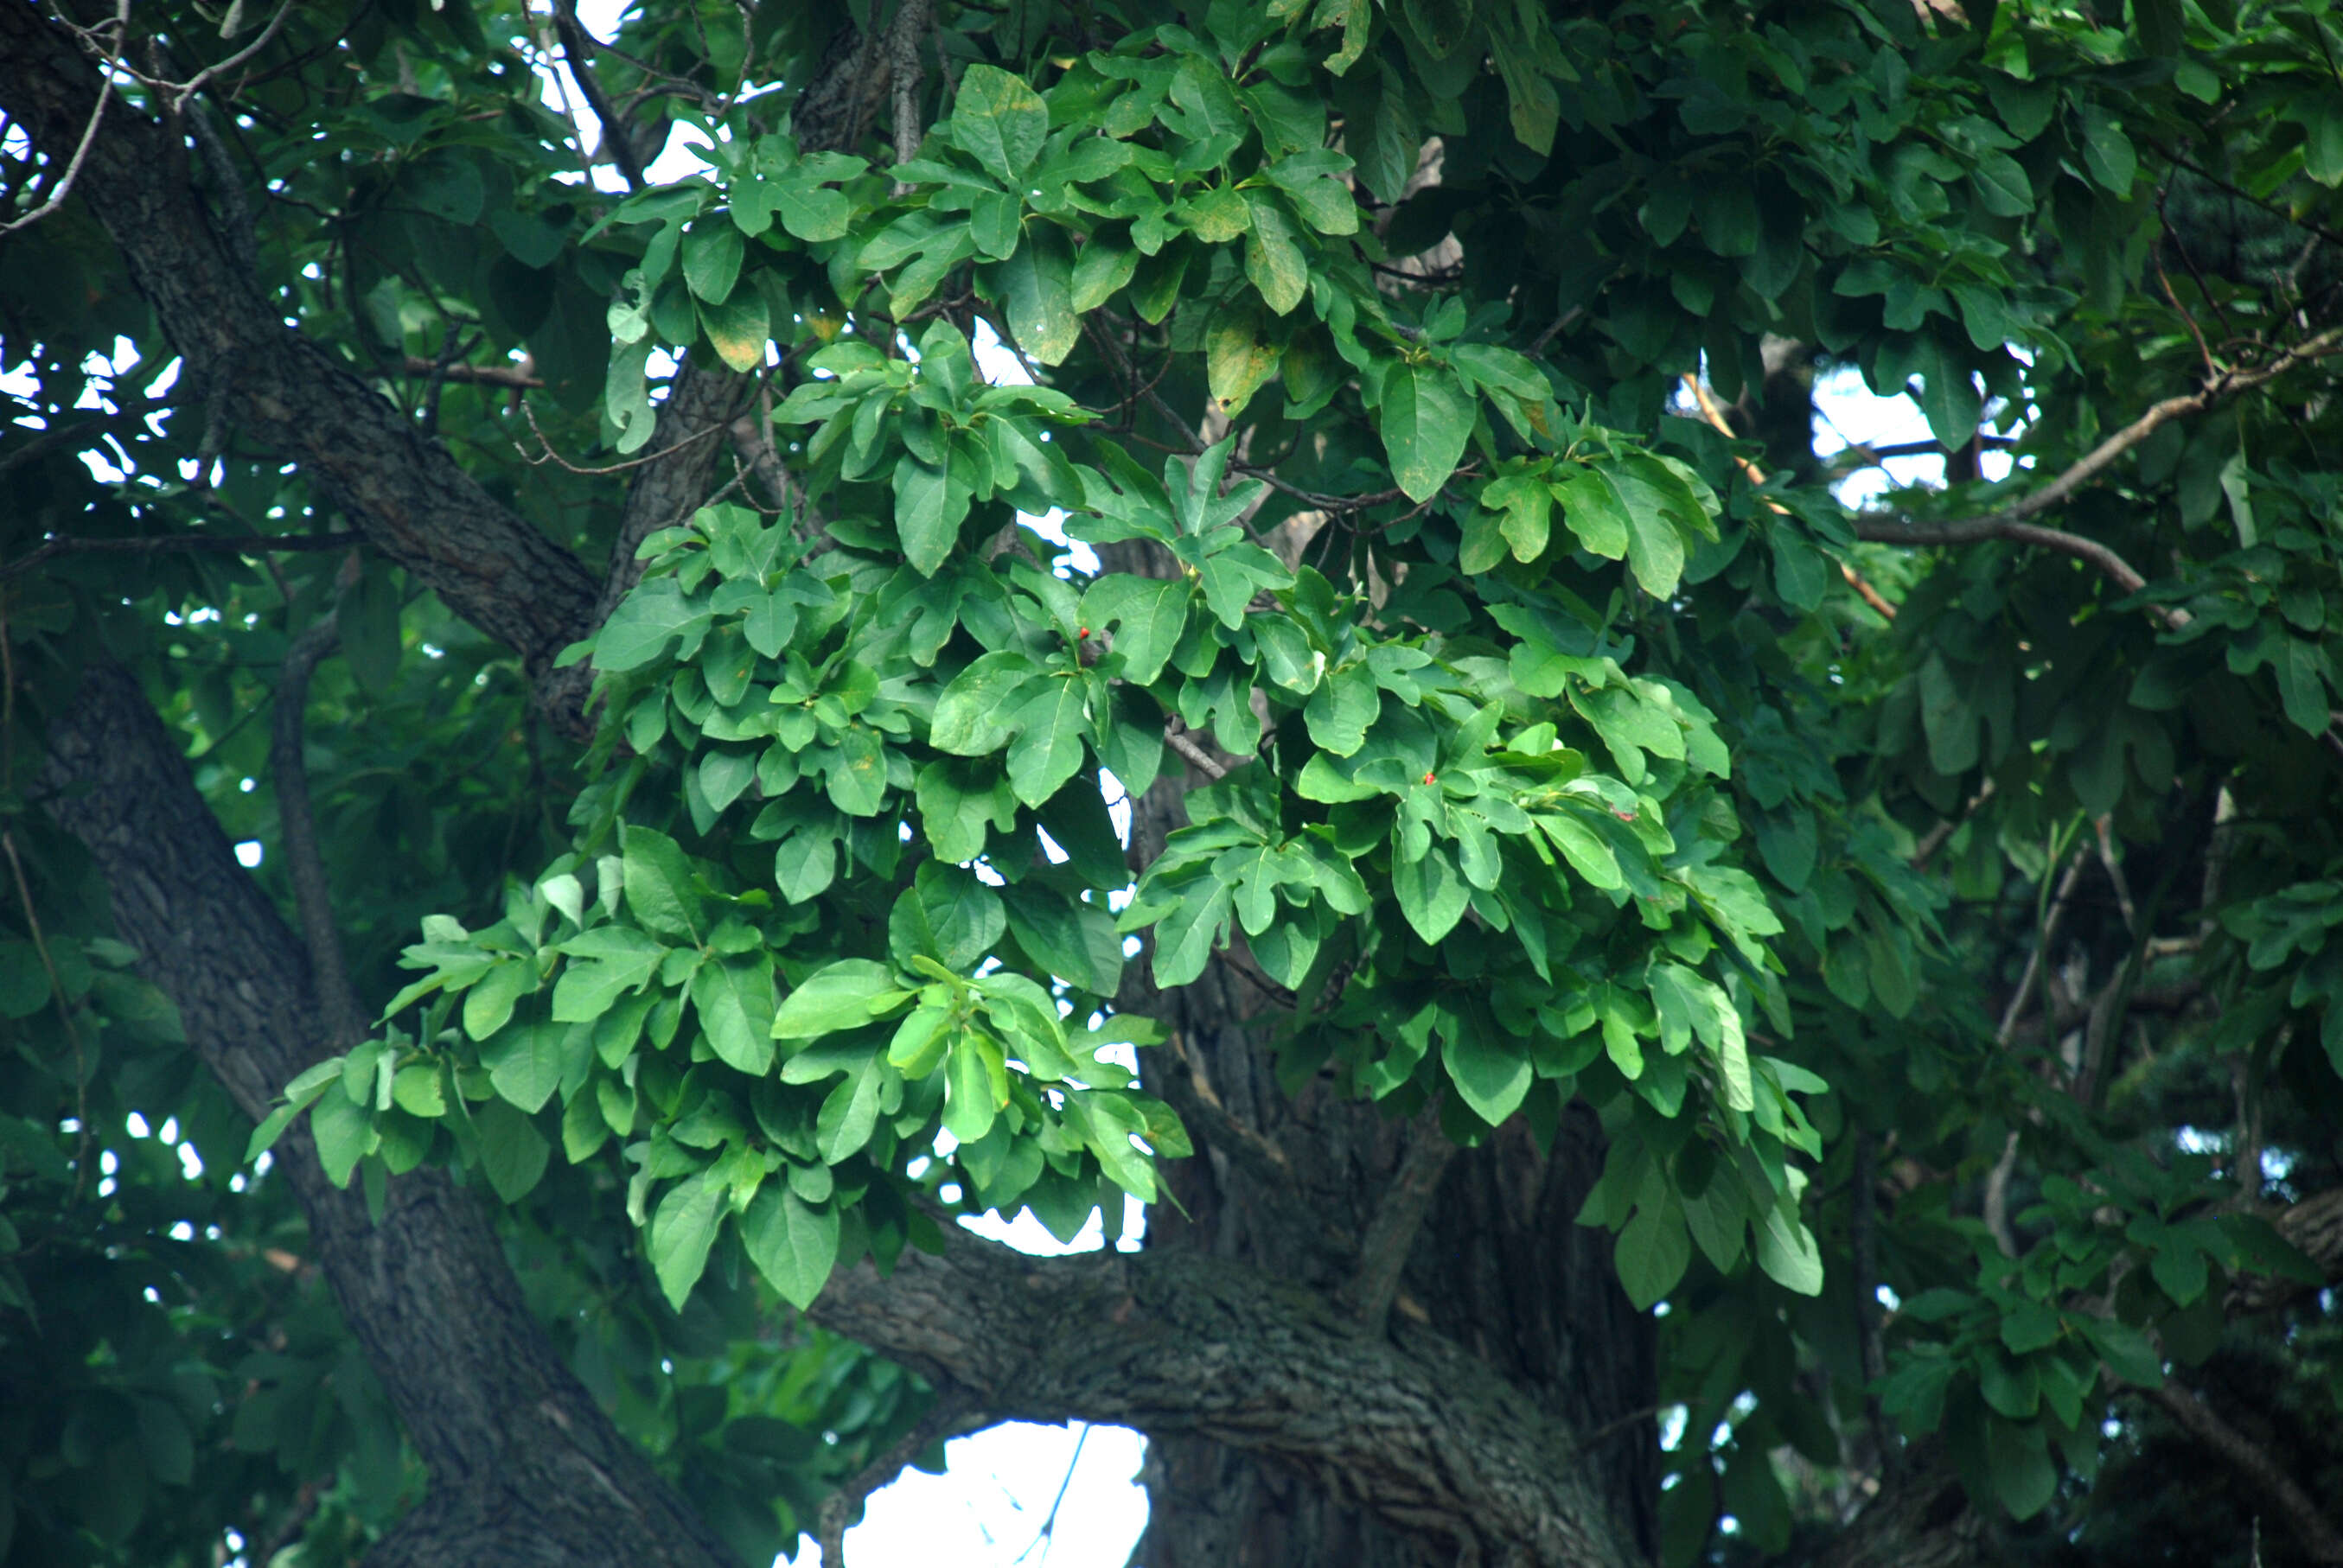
1678 1018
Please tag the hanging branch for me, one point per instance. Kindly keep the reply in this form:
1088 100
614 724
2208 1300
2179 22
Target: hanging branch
328 972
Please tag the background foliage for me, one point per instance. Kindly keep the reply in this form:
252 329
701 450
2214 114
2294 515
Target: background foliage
1923 902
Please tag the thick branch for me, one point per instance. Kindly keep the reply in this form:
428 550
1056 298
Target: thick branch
2315 1226
1411 1427
525 1467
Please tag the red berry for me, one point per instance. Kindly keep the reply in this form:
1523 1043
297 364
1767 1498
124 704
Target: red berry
1427 779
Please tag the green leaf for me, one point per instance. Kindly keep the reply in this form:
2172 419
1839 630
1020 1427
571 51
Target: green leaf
1239 353
711 259
525 1065
849 1115
1001 122
491 1001
512 1152
734 998
1786 1250
1491 1078
1432 893
1427 418
344 1132
1149 613
739 329
1273 259
657 880
1049 747
793 1243
1653 1254
2023 1475
971 716
839 996
2002 186
1037 283
1594 510
930 506
1184 938
682 1230
971 1069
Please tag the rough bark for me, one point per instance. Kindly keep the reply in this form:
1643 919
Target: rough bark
1408 1428
525 1467
1498 1269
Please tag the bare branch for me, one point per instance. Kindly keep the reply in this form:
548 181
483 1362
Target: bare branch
511 375
183 91
578 45
62 187
951 1413
1715 418
1412 1426
2010 523
1200 760
329 971
83 432
254 546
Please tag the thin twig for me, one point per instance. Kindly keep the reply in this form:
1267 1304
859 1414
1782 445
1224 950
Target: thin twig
249 545
1715 418
2010 523
555 457
1864 1226
579 46
1202 760
511 375
183 91
32 915
1050 1520
72 435
64 185
2258 1468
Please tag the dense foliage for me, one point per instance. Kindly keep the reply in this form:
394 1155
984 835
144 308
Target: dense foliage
1932 900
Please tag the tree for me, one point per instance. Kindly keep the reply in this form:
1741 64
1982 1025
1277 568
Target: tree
1661 997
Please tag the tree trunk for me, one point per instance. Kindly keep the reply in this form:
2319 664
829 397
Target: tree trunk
1498 1266
525 1467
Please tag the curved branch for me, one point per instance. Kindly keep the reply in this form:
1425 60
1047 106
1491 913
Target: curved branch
2254 1465
1412 1427
2010 523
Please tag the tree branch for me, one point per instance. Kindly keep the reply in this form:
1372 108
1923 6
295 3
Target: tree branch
618 141
345 1024
168 544
2255 1467
2010 522
285 394
1411 1427
950 1413
1398 1217
524 1465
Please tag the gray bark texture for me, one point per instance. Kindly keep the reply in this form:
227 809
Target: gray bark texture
1486 1408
